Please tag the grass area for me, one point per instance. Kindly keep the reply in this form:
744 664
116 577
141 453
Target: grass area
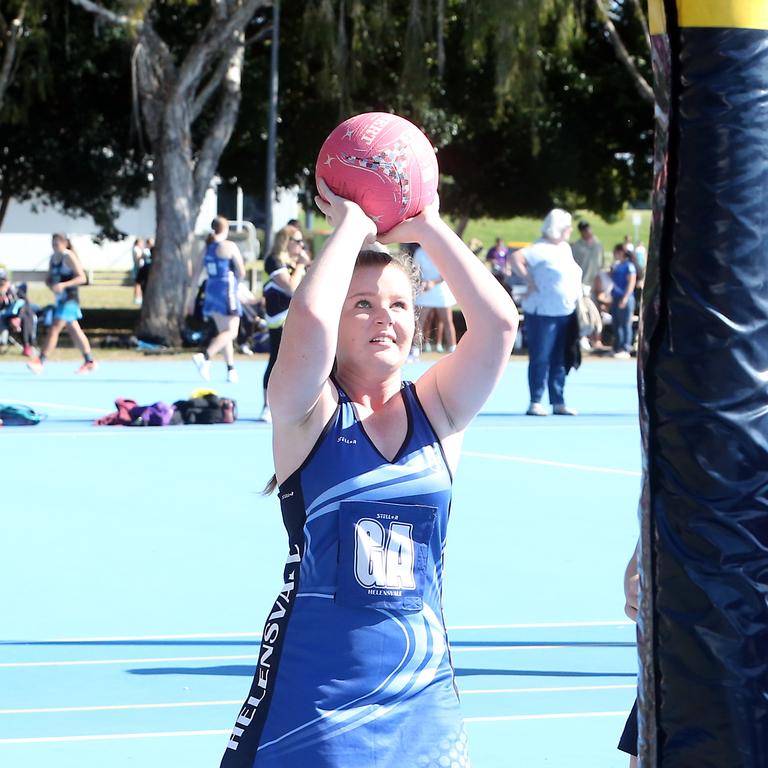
91 296
523 229
517 229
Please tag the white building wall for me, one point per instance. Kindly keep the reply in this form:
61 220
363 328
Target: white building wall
25 239
285 207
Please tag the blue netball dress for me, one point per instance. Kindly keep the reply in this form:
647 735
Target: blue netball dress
354 668
67 303
221 286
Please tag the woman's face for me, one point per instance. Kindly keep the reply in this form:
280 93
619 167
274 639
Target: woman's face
59 245
295 245
377 321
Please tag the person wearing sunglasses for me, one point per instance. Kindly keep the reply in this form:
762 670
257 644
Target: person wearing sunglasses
285 266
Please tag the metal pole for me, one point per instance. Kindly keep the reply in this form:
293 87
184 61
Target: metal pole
269 197
239 208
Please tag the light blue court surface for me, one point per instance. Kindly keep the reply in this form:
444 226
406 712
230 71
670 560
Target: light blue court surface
137 566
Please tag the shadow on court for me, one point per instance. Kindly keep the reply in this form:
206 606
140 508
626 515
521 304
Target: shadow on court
244 670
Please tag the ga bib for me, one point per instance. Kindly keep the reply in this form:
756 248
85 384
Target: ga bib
383 554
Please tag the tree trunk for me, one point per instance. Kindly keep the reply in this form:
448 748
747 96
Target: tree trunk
169 287
5 201
461 225
12 35
173 94
440 37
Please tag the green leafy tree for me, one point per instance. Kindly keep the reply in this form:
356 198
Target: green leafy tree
528 103
584 141
65 127
187 65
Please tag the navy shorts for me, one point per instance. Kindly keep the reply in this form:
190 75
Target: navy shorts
628 740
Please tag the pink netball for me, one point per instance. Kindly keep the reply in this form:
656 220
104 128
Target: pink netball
382 162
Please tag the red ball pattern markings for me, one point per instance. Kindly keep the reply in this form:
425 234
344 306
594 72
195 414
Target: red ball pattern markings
382 162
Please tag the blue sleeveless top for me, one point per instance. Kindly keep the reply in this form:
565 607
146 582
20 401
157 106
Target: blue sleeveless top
355 651
59 272
221 286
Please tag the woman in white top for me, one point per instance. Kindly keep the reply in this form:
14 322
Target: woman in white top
435 296
554 286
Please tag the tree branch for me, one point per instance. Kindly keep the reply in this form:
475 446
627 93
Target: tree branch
645 90
217 34
440 35
209 88
640 14
12 35
116 18
262 34
223 124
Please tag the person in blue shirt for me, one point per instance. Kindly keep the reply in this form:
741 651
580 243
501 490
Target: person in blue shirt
224 268
354 667
624 276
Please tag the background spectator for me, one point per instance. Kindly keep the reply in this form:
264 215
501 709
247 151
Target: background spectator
285 266
137 253
497 257
65 275
554 286
624 276
589 253
224 268
435 298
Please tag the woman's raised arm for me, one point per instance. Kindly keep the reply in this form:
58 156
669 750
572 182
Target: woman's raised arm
308 346
458 385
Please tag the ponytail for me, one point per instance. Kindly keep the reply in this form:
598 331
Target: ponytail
269 488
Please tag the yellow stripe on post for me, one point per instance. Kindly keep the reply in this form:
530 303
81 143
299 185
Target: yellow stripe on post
727 14
657 20
723 14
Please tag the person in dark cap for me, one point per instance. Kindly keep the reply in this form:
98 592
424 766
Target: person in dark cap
588 252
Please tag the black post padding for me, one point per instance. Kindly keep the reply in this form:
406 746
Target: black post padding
704 390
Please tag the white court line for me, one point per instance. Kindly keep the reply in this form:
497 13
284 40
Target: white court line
235 702
139 638
57 406
219 732
558 464
161 660
546 625
257 635
531 647
115 736
538 427
551 716
114 431
89 662
113 707
551 689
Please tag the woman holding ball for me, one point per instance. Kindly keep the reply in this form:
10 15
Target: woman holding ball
354 654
